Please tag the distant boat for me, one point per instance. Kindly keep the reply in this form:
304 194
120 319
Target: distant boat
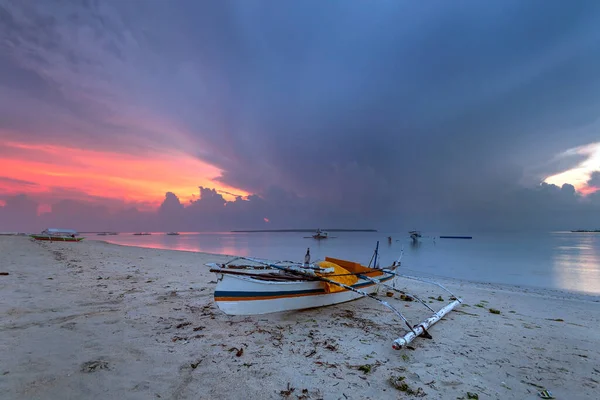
586 231
456 237
113 233
320 234
142 234
173 233
415 235
58 235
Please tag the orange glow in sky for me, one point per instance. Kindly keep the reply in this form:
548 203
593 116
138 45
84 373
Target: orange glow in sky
580 175
58 172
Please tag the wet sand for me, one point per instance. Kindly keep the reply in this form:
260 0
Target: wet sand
95 320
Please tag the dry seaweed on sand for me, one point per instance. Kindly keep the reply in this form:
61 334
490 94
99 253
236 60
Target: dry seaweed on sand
399 383
95 365
287 392
238 352
366 368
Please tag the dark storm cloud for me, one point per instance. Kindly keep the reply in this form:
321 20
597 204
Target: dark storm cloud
547 207
19 182
360 110
594 179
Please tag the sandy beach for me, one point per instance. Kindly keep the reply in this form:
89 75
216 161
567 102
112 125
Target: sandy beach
95 320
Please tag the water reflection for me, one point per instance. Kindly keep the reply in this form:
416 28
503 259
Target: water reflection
576 263
559 260
415 244
229 243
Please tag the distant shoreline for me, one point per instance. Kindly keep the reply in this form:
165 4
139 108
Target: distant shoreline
302 230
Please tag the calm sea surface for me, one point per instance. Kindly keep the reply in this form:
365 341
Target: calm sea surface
557 260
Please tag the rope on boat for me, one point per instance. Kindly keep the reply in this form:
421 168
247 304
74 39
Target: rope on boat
414 278
396 290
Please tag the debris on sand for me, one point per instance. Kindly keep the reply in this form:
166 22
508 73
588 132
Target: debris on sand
399 383
238 352
288 392
366 368
406 297
93 366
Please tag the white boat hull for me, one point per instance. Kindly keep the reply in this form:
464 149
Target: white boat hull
242 295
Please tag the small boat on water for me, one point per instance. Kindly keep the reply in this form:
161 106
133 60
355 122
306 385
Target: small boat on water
319 234
142 234
172 233
415 235
58 235
251 286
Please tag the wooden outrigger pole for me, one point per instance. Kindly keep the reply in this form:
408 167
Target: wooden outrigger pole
421 329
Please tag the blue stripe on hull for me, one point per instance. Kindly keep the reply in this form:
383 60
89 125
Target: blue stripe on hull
262 294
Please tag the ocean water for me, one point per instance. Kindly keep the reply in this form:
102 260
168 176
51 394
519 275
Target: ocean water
554 260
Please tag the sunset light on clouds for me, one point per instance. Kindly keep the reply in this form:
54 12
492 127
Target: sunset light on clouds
309 113
49 173
580 175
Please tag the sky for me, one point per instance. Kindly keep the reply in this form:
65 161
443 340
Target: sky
193 116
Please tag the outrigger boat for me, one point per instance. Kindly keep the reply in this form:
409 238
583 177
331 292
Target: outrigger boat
251 286
58 235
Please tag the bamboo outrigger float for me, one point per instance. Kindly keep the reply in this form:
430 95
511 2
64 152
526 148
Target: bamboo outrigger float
259 286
